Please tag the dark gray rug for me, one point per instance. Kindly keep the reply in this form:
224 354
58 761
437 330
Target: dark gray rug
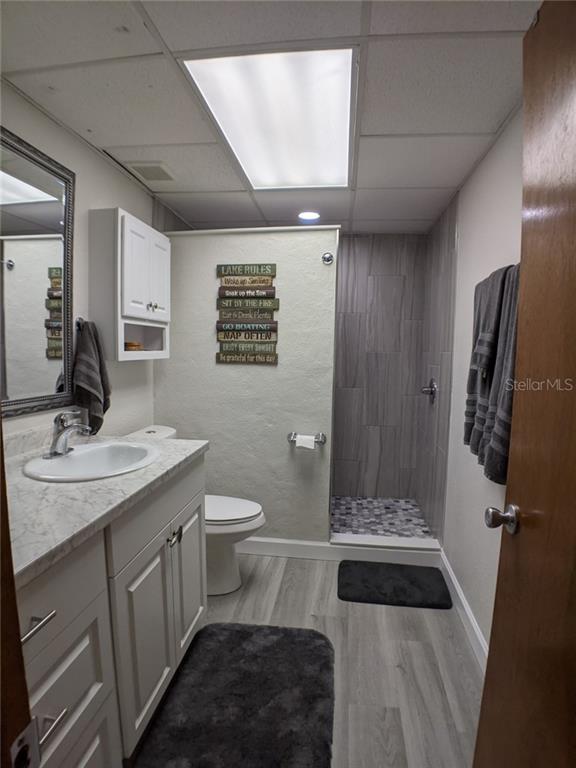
414 586
247 697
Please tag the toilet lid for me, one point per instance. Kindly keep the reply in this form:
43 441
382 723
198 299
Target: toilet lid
220 510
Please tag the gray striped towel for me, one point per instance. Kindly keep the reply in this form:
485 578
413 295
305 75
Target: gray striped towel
91 386
487 311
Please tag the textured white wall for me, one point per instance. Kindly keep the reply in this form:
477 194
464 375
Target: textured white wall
246 411
489 228
98 185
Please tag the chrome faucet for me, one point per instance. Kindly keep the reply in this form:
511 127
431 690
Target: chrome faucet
66 424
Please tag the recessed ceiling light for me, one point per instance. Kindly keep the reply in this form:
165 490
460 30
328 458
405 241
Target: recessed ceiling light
308 216
13 191
286 116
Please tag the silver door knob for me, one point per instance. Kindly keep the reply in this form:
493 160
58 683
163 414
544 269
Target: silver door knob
431 390
494 518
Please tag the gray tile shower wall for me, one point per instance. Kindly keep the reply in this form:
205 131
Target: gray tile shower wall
394 321
380 306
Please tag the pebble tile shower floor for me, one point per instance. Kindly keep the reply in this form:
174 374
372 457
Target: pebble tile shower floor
377 517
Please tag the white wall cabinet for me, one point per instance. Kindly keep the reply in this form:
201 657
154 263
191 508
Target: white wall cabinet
158 602
129 285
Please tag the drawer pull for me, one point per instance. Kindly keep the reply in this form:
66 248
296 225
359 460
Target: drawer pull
55 722
176 538
38 623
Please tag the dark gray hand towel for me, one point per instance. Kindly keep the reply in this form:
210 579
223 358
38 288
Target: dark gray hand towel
91 386
487 311
496 439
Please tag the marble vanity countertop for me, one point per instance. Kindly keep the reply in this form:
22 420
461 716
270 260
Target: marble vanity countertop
48 520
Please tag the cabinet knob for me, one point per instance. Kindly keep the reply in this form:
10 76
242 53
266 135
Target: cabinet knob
155 306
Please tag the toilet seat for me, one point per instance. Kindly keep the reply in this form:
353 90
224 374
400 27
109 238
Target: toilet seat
228 510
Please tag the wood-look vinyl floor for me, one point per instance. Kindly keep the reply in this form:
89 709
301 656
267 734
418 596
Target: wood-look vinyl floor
407 684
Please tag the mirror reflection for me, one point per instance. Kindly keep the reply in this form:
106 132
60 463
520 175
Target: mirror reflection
32 229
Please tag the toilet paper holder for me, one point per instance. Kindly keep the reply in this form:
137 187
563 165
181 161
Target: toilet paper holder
319 438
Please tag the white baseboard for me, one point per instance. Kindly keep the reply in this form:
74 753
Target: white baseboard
388 542
324 550
473 631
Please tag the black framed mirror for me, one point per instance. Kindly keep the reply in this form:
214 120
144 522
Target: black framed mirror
36 237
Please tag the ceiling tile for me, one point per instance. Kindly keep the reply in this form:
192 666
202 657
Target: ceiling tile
395 227
65 33
200 25
120 103
394 18
285 205
422 161
443 85
193 167
401 203
215 208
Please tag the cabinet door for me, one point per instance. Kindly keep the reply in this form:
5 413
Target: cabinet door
160 277
143 620
135 287
189 573
99 746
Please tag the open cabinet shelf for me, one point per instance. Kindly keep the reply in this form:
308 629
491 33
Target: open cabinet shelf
154 341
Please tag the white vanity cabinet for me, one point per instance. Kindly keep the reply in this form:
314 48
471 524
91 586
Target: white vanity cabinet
129 285
156 561
67 644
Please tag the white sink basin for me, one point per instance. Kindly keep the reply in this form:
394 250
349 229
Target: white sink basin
92 461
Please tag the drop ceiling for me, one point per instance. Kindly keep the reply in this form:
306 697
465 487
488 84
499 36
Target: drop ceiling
437 81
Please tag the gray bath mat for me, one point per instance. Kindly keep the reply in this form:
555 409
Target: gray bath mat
247 697
414 586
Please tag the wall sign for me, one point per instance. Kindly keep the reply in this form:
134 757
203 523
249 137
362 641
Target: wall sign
53 323
246 329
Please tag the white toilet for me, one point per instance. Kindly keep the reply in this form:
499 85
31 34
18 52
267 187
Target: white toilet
228 521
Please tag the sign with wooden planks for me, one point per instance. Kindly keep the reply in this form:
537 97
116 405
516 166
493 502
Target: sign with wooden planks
273 304
246 315
254 359
247 281
247 293
260 347
247 336
242 270
246 302
272 326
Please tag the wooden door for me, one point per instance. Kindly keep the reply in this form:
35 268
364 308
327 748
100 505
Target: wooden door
528 717
160 277
143 621
135 289
188 574
15 709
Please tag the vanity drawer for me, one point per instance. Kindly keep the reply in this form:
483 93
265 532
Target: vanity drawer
70 679
100 745
130 533
60 594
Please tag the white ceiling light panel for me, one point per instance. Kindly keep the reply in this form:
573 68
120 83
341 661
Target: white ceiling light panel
14 191
286 116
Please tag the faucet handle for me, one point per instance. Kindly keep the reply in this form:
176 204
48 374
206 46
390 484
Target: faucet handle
65 418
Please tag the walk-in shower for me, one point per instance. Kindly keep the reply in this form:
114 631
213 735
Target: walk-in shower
394 310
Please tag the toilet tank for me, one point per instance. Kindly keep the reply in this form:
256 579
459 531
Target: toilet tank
153 430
